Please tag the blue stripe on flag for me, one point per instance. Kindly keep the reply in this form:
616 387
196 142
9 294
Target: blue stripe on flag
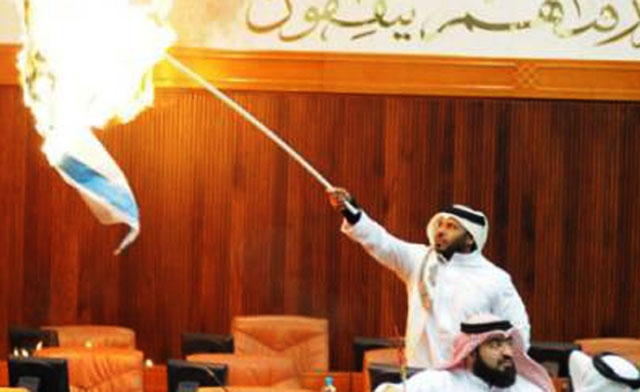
117 196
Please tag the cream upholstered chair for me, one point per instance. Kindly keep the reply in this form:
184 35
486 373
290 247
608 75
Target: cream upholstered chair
94 336
100 369
303 339
274 351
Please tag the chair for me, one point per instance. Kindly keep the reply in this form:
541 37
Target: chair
196 343
625 347
274 351
94 336
28 339
101 369
304 339
382 365
363 344
182 375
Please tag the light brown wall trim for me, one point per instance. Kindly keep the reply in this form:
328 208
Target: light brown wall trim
394 74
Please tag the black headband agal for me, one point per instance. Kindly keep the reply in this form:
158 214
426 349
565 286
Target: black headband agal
474 329
464 214
606 371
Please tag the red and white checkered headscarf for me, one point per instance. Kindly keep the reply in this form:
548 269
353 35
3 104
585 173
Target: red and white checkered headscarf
466 343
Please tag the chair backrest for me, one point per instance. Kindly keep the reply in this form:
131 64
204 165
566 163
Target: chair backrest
628 348
304 339
100 369
94 336
28 338
363 344
381 365
182 374
254 370
195 343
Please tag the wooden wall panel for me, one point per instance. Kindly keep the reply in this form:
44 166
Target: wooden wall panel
231 226
391 74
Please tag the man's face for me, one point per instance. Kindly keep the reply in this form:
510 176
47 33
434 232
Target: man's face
497 352
494 363
451 237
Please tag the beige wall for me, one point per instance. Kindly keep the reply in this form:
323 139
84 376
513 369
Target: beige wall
10 16
222 24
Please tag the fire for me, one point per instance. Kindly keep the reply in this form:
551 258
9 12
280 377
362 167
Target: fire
86 63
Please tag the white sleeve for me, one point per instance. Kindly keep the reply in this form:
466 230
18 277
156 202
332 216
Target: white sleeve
509 306
398 255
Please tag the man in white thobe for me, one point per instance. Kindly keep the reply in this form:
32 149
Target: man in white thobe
447 281
605 372
488 356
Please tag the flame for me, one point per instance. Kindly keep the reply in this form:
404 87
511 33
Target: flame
86 63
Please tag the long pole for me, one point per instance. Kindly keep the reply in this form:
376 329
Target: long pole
252 119
257 123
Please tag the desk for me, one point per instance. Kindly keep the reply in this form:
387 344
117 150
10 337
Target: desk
315 380
155 378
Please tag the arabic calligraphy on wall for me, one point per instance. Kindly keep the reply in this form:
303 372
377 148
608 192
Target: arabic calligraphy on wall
393 25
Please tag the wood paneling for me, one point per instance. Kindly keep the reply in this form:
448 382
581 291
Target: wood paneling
4 374
231 226
393 74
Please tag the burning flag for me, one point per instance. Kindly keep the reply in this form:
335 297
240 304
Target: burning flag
85 63
88 62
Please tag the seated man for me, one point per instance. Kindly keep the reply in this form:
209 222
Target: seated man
488 355
605 372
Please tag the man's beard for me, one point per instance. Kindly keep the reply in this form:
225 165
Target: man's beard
494 377
458 245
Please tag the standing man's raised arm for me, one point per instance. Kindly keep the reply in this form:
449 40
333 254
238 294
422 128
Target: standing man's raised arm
390 251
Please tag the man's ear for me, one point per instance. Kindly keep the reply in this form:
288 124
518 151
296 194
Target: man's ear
469 239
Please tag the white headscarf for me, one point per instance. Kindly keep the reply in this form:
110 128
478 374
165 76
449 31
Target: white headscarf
475 222
586 377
